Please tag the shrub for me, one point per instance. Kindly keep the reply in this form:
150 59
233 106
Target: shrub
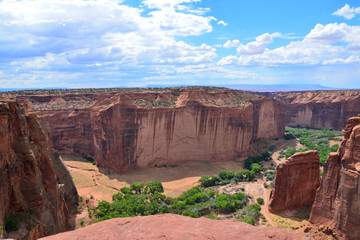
260 201
136 187
226 175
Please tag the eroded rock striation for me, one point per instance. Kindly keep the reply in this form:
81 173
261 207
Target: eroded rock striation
34 200
337 201
134 128
296 182
170 226
319 109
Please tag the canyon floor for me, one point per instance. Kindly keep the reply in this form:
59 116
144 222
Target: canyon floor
98 184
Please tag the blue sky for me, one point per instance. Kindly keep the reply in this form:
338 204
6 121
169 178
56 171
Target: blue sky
134 43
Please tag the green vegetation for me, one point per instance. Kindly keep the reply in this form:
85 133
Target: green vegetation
256 159
270 175
249 214
226 177
12 223
312 139
147 199
260 201
90 159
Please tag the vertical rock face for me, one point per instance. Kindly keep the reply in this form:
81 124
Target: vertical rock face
319 109
337 201
296 182
141 128
31 199
127 136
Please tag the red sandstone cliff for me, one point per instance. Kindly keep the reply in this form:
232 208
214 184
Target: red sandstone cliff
337 201
296 182
170 226
319 109
30 195
194 130
149 127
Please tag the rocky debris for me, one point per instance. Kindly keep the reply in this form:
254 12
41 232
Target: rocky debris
319 109
170 226
152 128
337 201
296 182
32 201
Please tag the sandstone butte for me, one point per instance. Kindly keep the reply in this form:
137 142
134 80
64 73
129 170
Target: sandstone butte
170 226
296 182
319 109
35 187
144 128
337 201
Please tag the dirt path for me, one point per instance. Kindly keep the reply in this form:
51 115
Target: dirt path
265 208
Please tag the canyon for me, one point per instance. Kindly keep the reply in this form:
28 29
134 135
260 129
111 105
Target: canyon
337 201
296 182
129 129
124 129
36 190
319 109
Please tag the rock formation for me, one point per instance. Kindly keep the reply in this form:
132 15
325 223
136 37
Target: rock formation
296 182
319 109
337 201
32 201
156 127
170 226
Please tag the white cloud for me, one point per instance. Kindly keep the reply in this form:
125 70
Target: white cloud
315 49
99 32
256 47
232 43
222 23
347 12
161 4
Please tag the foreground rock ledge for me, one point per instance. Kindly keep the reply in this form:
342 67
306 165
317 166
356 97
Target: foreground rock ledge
170 226
296 182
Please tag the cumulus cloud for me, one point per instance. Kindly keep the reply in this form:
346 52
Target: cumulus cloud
232 43
315 49
256 47
347 11
100 32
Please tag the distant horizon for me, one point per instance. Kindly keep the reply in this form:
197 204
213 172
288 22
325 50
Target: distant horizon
245 87
134 43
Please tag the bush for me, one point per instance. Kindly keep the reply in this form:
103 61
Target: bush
260 201
226 175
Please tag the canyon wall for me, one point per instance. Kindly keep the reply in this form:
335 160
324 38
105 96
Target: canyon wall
127 136
134 128
34 200
337 201
296 182
319 109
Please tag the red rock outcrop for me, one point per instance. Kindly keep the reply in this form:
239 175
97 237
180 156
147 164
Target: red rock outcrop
337 201
319 109
30 195
296 182
170 226
155 127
